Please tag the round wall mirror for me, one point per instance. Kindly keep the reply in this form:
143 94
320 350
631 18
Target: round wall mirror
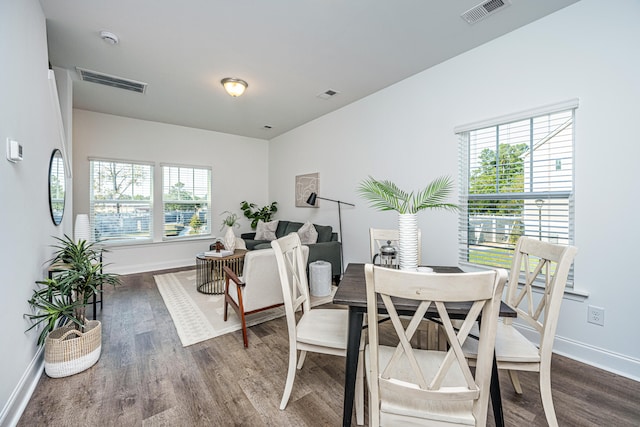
56 186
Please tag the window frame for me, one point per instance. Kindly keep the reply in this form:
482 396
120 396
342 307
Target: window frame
209 189
465 168
148 204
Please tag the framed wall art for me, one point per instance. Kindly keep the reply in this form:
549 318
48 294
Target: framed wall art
305 185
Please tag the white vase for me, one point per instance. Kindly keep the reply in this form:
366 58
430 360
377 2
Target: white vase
408 241
230 240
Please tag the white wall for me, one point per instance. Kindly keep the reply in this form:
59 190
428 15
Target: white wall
405 133
26 115
239 167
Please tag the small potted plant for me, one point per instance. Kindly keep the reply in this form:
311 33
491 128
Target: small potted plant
230 221
255 214
72 343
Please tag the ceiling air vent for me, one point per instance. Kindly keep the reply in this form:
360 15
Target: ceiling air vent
329 93
113 81
483 10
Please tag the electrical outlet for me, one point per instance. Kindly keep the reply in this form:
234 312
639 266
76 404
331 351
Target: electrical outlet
595 315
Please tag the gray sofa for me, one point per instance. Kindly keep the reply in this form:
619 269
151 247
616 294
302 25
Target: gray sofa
326 249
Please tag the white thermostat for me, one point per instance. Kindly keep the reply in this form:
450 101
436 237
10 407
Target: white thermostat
14 150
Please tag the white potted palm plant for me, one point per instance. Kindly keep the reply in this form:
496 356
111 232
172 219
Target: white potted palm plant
387 196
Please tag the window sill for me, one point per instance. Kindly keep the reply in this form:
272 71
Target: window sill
572 293
149 242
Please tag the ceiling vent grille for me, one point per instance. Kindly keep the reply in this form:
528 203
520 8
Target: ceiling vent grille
113 81
483 10
327 94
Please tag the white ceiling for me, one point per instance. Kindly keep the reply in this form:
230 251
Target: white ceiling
289 51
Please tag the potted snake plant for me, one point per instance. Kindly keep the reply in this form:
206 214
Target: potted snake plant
72 343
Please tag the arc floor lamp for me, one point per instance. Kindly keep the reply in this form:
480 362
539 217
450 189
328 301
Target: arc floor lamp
312 201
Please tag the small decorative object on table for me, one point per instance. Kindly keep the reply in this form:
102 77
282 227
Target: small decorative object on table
230 221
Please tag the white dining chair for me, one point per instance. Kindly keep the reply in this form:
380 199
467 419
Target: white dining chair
548 265
318 330
411 386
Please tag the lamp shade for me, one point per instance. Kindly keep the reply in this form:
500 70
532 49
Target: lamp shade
234 87
82 228
312 199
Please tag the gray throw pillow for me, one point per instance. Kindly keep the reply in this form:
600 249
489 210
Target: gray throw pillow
266 230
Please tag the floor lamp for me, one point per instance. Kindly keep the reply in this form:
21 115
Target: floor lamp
312 201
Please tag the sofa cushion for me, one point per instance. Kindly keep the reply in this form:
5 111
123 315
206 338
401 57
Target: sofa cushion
308 234
291 227
266 230
282 228
324 232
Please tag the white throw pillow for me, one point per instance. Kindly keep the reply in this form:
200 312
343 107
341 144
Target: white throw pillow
266 230
308 234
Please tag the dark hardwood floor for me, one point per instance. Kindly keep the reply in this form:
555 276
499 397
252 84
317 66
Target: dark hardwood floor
146 378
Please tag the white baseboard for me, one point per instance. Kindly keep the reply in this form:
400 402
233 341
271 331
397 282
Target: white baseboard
18 400
607 360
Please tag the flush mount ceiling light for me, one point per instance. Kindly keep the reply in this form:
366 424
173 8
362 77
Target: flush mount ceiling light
109 37
234 87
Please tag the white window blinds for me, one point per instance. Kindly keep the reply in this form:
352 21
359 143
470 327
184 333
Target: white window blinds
120 201
186 199
516 179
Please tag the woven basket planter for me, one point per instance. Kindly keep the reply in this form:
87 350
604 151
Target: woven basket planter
68 351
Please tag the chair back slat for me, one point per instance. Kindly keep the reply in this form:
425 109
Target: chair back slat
403 373
291 257
539 264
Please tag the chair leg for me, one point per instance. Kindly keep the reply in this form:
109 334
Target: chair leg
244 332
547 401
303 356
360 392
515 380
226 309
291 375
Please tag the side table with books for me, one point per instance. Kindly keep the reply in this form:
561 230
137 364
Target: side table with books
210 278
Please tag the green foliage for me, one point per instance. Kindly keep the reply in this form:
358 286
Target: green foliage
499 174
386 196
231 220
65 297
252 212
195 224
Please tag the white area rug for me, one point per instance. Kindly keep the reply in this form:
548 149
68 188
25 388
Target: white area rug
199 317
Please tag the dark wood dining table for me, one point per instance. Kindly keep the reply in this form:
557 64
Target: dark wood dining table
352 293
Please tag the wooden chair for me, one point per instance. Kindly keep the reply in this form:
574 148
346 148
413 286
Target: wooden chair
258 288
533 259
316 330
409 386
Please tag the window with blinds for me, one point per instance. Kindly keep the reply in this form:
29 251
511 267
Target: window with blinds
186 199
120 201
516 179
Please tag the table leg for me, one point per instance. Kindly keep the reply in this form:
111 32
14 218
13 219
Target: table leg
496 398
353 348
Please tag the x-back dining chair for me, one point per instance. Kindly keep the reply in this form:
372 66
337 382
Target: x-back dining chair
318 330
410 386
549 264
